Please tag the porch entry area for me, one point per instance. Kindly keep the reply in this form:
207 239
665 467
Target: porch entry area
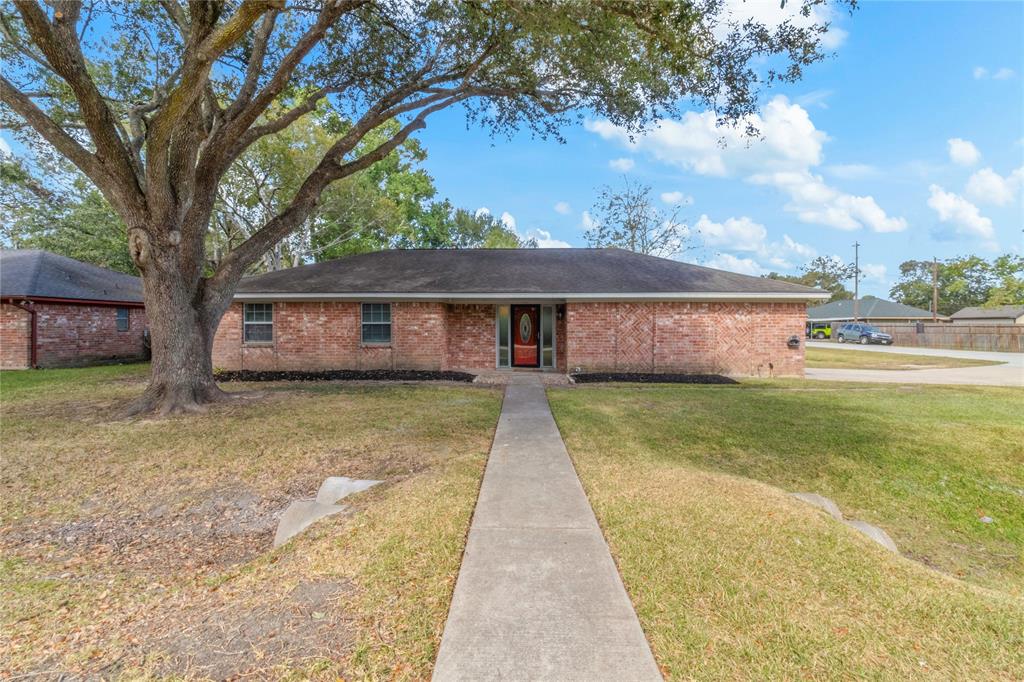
525 335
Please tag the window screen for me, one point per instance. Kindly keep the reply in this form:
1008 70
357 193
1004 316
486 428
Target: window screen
123 320
258 322
376 323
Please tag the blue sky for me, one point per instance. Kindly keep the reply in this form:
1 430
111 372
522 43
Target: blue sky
858 151
909 140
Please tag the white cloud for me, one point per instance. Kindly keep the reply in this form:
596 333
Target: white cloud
546 241
988 187
508 220
483 210
563 208
783 156
962 215
5 148
676 198
1000 74
851 171
746 236
874 272
622 165
963 152
736 234
814 98
727 261
772 14
587 221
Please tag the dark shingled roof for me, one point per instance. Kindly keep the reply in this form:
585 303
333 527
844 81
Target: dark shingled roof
33 273
999 312
507 271
869 309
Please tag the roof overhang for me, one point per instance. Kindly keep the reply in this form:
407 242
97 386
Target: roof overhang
73 301
514 296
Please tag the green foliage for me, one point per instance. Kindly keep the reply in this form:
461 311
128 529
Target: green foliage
963 282
442 226
309 89
824 272
69 217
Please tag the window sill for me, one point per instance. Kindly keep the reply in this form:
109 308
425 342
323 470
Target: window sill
257 344
374 345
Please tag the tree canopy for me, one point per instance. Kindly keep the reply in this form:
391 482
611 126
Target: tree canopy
824 272
628 218
157 102
963 282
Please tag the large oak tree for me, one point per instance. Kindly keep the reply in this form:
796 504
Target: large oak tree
155 100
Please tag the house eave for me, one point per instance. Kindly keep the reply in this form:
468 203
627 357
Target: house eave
515 296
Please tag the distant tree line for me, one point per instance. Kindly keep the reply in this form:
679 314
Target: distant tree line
963 282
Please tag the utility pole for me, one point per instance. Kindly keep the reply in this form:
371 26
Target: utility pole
935 289
856 281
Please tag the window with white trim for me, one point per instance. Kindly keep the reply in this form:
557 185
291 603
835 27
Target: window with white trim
123 319
376 323
258 322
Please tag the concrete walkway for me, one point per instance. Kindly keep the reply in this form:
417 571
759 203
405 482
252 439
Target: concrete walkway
538 595
1011 373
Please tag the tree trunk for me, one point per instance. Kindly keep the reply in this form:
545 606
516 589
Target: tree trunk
183 319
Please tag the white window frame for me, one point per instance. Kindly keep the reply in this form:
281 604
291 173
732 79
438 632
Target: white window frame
363 324
127 318
246 324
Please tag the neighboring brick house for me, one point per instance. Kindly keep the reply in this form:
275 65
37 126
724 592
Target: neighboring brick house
58 312
562 310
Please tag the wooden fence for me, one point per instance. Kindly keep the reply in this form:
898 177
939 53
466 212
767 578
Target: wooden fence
995 337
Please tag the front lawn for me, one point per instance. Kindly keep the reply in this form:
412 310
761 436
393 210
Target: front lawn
732 578
839 358
142 548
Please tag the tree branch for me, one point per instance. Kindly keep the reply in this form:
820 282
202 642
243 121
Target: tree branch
59 43
54 134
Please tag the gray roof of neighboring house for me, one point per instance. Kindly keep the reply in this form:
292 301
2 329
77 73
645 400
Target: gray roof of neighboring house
34 273
491 273
869 309
999 312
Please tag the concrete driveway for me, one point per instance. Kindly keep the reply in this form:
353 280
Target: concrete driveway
1010 373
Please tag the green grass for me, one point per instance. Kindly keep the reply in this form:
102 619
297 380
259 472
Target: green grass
734 579
855 359
117 536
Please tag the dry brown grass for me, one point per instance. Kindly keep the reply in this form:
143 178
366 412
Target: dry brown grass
143 547
733 579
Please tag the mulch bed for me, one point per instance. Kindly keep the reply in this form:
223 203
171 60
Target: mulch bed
346 375
645 378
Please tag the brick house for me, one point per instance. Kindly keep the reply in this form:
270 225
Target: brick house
484 310
58 312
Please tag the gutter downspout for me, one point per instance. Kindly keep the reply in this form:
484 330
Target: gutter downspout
31 310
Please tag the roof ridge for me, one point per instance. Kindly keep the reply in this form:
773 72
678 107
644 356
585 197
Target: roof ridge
37 267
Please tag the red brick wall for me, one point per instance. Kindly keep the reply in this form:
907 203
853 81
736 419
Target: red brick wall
326 335
14 337
730 338
68 334
471 337
724 338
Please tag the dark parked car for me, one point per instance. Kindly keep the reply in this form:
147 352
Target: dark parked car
862 333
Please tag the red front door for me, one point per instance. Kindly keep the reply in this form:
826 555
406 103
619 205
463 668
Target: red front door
525 346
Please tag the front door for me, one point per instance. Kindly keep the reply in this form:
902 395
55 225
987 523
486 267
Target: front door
525 341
